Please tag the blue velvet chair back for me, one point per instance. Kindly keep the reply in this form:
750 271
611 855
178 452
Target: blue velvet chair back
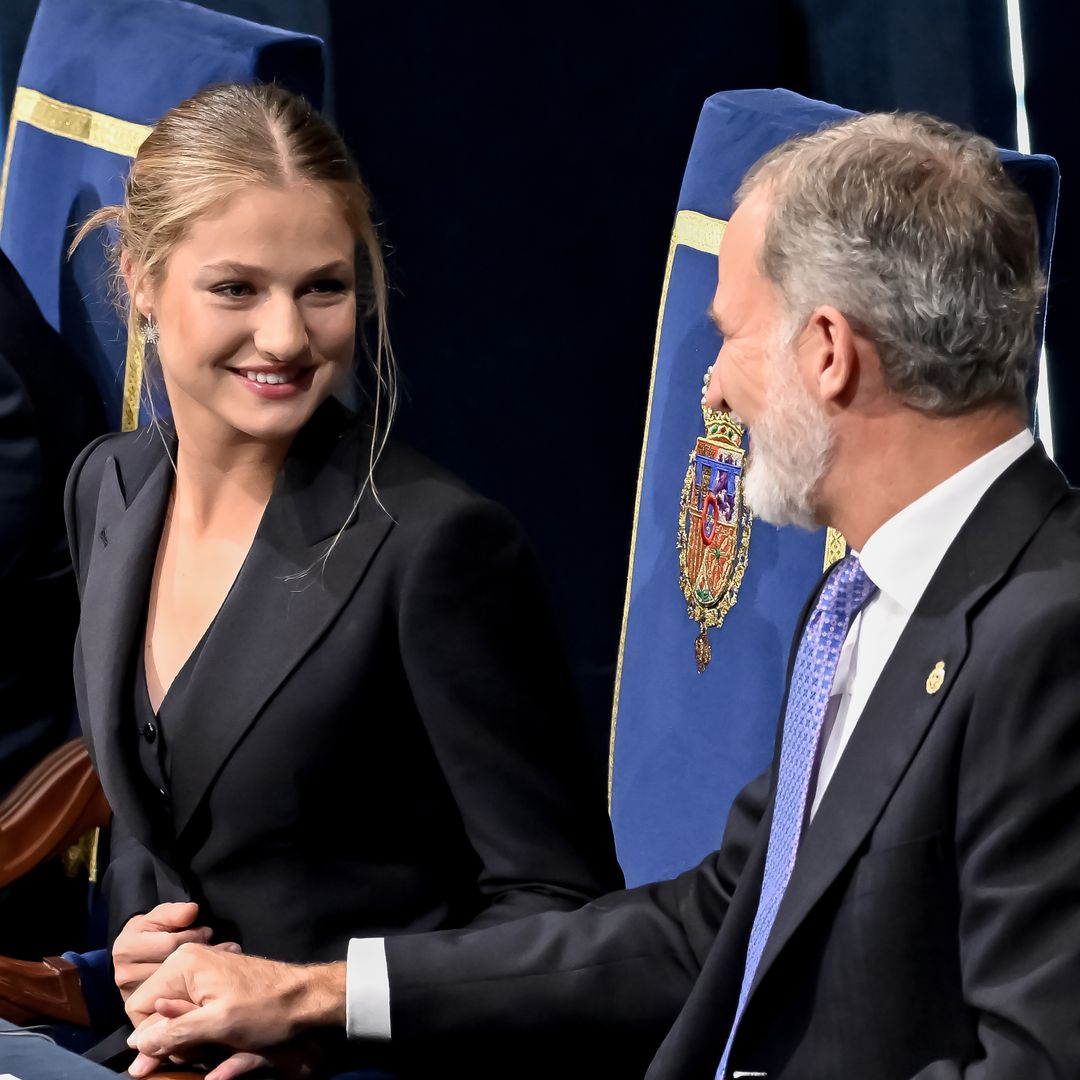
704 577
93 77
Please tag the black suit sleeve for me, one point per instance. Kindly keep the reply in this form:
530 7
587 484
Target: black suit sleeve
130 884
494 692
602 984
1018 859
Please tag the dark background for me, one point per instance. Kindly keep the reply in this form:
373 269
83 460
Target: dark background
526 163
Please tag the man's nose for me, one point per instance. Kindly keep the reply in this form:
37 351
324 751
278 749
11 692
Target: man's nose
280 331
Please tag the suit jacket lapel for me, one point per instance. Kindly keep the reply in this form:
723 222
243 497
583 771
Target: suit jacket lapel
275 613
899 711
130 512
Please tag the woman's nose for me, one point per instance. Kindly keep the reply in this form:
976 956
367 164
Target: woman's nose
280 332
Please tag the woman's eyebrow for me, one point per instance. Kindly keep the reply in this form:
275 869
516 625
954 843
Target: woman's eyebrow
337 266
239 269
236 269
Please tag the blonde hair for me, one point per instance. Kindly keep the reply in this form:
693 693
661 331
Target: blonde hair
213 145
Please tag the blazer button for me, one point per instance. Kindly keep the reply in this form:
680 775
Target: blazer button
149 733
164 796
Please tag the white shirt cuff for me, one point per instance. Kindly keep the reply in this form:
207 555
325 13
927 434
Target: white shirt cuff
367 990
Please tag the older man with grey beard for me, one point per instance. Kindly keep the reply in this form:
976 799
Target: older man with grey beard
898 897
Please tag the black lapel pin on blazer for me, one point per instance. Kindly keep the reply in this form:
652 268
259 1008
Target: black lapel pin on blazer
936 678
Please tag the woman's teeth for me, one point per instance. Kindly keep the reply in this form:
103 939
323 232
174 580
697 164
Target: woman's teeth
270 377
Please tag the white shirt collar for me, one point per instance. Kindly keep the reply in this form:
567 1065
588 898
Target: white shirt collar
903 554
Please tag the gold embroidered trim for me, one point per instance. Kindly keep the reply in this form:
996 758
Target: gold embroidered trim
835 547
83 853
103 132
699 232
133 371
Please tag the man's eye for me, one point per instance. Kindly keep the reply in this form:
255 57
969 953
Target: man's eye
233 290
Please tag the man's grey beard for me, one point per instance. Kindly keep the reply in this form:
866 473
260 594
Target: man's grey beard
790 450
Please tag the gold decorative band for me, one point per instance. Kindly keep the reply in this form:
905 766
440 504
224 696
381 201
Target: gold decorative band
103 132
74 122
697 231
133 369
835 547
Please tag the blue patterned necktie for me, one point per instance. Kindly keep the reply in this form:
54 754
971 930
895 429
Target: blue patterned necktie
843 594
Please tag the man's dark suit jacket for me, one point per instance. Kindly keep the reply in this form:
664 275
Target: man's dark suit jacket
382 744
931 927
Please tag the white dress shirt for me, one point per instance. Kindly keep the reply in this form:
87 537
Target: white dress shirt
900 558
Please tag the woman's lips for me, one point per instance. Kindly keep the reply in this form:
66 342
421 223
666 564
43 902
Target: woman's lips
287 382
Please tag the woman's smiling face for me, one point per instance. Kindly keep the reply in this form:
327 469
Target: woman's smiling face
256 312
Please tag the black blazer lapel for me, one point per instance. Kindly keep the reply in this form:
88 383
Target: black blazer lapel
275 613
130 512
899 711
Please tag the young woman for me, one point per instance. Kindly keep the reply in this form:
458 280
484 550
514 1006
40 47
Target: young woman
316 673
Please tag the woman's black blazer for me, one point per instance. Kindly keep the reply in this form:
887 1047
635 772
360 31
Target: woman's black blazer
385 743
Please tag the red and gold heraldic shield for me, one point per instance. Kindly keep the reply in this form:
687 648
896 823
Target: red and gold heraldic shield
714 527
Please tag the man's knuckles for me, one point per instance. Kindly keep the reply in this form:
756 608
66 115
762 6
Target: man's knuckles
191 950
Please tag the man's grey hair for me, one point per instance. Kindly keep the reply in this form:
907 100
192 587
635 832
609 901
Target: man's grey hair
910 227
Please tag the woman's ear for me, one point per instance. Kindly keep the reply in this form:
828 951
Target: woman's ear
142 300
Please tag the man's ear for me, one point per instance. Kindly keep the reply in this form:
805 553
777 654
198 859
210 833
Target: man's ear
829 354
138 288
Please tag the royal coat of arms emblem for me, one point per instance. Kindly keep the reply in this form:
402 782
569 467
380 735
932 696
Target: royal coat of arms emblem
714 527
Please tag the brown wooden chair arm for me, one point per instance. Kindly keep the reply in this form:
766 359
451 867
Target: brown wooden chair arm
48 990
58 801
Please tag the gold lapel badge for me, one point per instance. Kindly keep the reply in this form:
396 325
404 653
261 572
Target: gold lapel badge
936 678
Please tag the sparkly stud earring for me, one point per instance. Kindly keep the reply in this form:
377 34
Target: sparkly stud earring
150 331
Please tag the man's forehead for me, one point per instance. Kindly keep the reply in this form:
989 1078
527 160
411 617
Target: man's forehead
737 245
737 265
746 228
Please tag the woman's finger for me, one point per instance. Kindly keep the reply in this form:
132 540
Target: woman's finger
152 946
170 1008
237 1065
128 976
171 916
143 1065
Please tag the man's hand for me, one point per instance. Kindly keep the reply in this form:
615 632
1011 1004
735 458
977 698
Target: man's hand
148 939
241 1002
297 1060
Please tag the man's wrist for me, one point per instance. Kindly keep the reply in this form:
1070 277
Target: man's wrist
318 996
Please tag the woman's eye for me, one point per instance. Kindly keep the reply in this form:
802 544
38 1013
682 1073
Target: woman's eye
233 290
327 285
